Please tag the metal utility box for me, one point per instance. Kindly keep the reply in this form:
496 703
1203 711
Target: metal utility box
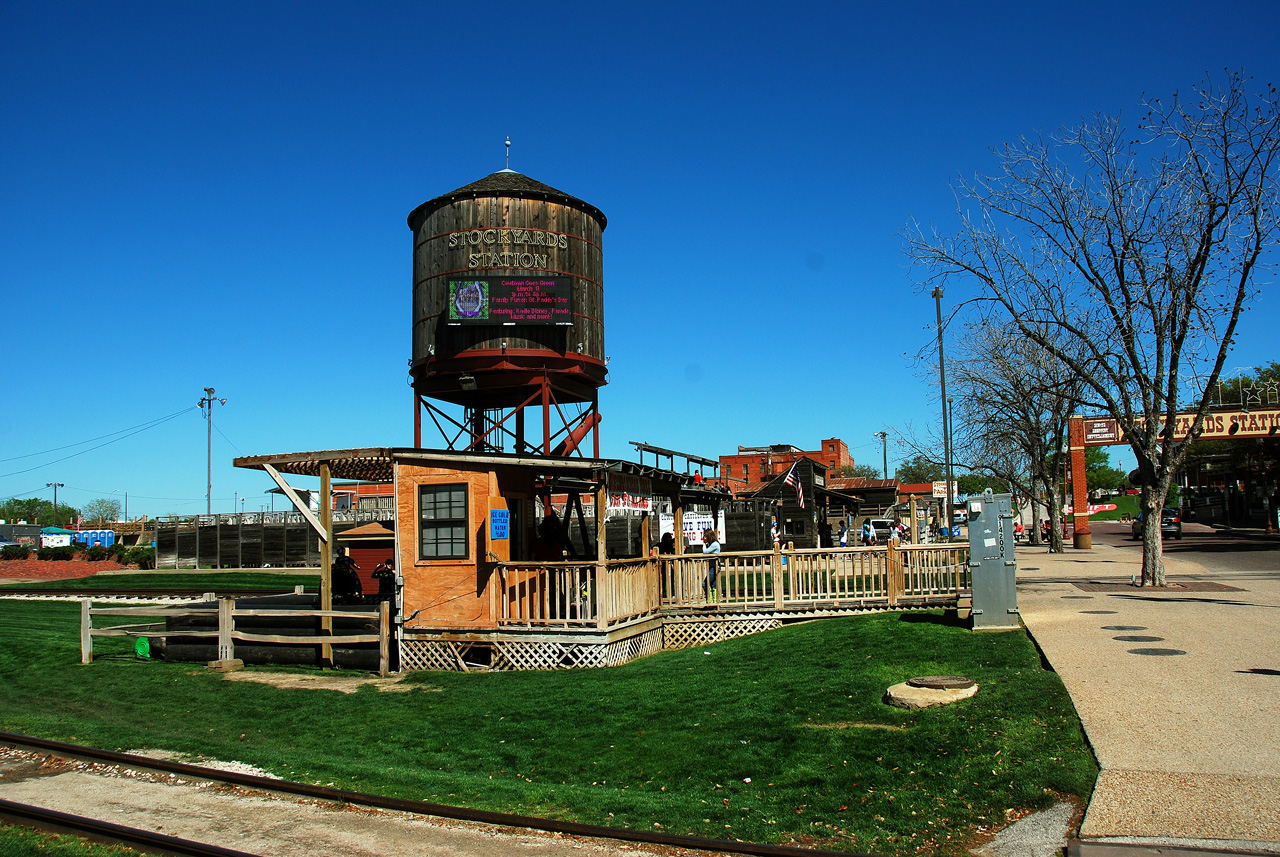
991 561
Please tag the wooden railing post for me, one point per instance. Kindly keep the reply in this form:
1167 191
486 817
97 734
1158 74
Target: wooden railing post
603 601
384 642
226 626
86 632
891 575
776 568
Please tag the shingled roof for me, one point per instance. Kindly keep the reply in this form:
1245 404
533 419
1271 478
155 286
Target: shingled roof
507 183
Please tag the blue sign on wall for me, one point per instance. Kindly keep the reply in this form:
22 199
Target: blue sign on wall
499 519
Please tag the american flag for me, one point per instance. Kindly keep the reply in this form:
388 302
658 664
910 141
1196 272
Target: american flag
794 482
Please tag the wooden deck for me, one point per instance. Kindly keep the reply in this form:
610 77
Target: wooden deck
562 615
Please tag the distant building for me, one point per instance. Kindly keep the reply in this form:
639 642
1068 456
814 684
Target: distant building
754 466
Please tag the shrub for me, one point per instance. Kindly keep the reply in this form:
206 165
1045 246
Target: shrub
96 553
144 557
15 552
64 553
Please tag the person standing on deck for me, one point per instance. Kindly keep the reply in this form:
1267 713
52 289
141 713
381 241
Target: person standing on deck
711 545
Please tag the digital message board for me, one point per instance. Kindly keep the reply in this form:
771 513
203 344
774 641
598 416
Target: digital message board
510 300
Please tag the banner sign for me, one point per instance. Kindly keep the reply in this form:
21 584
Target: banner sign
1217 425
630 493
510 300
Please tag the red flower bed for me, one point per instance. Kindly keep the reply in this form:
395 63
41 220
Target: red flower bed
48 569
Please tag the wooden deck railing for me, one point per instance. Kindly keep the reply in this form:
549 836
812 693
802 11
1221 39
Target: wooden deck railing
601 595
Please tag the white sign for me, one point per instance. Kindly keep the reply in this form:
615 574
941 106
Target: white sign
940 488
694 524
630 493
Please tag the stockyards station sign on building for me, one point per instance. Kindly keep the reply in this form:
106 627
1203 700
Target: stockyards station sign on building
1217 425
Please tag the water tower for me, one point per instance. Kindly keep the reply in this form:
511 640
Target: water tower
508 315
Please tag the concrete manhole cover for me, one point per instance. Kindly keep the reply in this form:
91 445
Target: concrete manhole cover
935 690
942 682
1138 638
1157 652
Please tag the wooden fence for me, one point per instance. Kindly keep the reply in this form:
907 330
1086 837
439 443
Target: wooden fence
602 595
227 634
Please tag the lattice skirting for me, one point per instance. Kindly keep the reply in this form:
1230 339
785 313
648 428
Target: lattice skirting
506 655
686 633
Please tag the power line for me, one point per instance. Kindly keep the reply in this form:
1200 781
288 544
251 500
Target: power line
99 437
136 430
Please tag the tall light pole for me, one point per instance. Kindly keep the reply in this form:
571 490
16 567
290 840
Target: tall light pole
884 448
946 424
207 404
55 486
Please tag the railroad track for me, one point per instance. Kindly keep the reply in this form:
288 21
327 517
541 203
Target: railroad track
52 821
287 787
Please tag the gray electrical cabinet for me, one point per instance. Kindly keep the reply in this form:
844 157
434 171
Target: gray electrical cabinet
991 561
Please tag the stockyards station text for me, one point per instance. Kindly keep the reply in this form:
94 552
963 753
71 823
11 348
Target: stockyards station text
505 244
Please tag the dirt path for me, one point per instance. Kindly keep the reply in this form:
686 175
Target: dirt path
265 823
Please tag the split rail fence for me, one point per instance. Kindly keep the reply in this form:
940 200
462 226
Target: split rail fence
227 634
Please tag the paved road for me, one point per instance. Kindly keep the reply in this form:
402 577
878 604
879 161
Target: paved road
1216 552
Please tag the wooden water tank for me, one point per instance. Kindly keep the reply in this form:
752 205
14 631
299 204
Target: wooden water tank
509 234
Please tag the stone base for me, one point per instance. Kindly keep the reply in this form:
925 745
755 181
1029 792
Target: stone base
226 666
905 696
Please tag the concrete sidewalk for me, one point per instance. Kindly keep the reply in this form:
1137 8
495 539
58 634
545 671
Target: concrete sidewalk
1178 690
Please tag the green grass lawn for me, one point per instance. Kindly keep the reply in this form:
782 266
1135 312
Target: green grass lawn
1126 504
224 582
776 737
18 841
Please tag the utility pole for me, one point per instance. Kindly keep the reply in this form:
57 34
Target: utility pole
884 448
946 426
207 404
55 486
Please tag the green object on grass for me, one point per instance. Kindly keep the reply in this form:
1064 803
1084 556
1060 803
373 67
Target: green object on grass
142 647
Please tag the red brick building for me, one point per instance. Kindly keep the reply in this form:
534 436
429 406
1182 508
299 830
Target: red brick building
752 465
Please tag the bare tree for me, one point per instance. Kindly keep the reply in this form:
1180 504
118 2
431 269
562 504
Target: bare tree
1138 249
103 510
1014 399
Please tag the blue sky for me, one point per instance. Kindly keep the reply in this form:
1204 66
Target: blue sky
196 194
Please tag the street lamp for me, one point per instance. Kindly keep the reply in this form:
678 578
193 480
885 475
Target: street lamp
208 402
126 502
946 424
55 486
884 448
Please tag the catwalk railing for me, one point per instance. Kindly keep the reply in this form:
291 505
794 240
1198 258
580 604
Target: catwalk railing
580 595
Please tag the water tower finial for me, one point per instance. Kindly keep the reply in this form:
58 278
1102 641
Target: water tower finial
508 151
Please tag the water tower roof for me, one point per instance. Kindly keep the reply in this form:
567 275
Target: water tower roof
504 183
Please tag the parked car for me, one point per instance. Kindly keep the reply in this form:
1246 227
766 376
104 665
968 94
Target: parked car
1170 524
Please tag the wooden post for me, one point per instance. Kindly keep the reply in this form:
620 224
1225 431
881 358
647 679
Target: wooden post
226 624
1083 538
891 576
777 575
602 572
326 564
678 577
384 647
86 632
